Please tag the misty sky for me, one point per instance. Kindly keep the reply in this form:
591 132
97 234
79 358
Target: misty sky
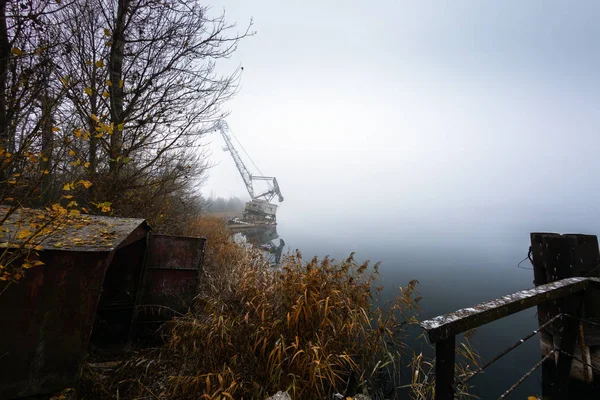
443 112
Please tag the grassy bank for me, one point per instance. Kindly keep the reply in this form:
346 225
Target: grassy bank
311 328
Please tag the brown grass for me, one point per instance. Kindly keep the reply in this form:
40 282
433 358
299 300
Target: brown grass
310 328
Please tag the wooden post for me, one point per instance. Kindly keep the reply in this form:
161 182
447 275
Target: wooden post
444 368
557 257
539 252
571 305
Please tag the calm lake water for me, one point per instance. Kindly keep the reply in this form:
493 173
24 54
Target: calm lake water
454 270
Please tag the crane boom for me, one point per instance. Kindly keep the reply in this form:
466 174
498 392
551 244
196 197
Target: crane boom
273 190
244 172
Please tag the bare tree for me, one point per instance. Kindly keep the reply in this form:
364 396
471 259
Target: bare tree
142 80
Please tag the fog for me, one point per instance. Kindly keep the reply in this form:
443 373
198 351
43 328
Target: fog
444 117
433 136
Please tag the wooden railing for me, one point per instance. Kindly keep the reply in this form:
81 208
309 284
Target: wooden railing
568 297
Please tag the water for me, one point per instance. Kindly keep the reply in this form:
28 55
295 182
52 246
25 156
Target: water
453 272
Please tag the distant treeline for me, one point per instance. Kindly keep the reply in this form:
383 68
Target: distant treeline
220 205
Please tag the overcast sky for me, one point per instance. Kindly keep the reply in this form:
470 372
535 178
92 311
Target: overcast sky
448 109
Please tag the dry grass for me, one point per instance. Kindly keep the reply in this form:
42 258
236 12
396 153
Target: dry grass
422 382
312 328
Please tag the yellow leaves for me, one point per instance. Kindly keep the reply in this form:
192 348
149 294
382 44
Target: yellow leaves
106 32
68 197
121 126
74 213
12 181
57 208
64 81
75 163
55 129
121 83
86 164
39 247
58 245
108 82
95 117
17 51
88 91
100 63
24 233
31 263
72 152
104 207
105 94
88 62
72 185
86 184
45 172
77 132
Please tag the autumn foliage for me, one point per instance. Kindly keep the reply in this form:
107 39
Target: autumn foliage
313 328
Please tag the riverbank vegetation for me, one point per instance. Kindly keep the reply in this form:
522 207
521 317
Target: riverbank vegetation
312 328
103 105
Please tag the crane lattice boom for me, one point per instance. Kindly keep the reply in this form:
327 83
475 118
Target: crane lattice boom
247 177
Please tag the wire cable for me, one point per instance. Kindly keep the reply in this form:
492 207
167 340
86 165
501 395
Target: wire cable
523 260
245 152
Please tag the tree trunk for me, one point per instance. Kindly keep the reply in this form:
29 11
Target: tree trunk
47 148
115 69
4 56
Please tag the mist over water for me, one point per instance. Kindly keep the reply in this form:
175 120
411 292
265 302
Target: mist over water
430 136
459 262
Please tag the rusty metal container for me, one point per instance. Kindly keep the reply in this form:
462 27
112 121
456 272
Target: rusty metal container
46 318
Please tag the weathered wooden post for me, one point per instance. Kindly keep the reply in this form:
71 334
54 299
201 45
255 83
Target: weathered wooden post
557 257
444 368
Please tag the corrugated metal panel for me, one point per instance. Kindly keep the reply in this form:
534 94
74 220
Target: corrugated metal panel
117 303
172 276
46 320
79 233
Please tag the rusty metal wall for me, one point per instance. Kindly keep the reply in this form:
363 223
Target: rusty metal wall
46 320
119 294
171 276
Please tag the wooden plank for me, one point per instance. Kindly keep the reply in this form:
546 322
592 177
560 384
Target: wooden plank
444 368
445 326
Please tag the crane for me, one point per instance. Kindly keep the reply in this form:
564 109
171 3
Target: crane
260 206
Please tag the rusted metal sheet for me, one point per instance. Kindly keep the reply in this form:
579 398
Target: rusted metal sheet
117 303
78 233
46 320
172 276
445 326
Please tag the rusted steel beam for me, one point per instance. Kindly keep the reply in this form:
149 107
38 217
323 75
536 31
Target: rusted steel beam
444 368
445 326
